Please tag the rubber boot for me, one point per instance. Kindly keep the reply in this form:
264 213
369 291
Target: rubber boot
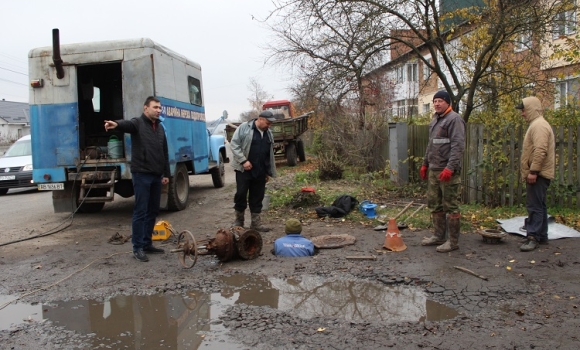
454 225
239 218
257 223
439 230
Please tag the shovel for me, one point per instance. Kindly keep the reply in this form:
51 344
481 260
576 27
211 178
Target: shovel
383 227
403 224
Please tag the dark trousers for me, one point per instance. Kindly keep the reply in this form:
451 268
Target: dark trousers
147 189
249 192
537 222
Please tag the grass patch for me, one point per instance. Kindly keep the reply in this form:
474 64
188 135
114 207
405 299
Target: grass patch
391 199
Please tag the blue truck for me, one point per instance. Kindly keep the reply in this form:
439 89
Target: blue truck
74 88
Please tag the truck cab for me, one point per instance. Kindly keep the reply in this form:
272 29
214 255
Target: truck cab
281 109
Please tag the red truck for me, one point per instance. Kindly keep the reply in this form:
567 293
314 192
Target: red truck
286 130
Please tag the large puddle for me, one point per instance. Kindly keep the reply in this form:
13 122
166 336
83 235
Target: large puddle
192 321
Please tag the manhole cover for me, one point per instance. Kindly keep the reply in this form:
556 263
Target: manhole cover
333 241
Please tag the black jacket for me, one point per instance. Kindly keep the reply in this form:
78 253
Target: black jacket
148 146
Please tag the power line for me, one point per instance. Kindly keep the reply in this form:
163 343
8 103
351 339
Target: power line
13 71
12 57
14 82
16 62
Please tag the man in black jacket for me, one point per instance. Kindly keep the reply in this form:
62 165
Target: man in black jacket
149 170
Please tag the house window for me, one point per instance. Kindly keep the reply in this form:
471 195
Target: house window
426 72
564 24
400 74
523 41
426 108
566 92
401 108
412 72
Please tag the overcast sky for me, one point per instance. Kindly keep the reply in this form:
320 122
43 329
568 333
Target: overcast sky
221 35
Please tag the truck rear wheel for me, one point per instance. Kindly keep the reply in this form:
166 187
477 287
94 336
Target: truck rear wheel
300 150
218 175
178 189
291 154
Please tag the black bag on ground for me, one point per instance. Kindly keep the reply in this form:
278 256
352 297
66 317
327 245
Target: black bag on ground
340 207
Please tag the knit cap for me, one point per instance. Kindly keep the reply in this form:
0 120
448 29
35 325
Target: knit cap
443 95
293 226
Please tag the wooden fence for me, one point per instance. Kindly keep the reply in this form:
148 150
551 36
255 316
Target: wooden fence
491 165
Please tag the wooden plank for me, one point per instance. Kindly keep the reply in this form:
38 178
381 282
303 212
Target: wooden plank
520 184
504 174
361 257
570 166
479 179
577 168
560 159
470 272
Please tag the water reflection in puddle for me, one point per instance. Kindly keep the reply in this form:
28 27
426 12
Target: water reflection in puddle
353 300
136 322
177 322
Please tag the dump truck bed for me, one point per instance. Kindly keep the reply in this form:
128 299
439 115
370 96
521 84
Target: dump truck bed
283 129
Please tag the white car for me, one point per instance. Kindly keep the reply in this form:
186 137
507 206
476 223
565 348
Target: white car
16 166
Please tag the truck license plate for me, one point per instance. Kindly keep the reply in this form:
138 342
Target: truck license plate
51 187
8 177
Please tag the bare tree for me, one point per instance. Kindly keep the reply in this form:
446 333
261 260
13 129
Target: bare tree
257 99
331 45
342 40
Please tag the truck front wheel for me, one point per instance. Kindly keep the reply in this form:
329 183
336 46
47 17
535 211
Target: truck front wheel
291 154
218 175
178 189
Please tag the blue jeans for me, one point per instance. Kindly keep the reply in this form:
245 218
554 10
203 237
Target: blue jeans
147 188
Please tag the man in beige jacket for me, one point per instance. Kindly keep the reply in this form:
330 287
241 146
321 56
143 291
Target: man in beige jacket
537 169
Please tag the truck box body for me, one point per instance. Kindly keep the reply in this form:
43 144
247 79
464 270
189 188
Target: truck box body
110 81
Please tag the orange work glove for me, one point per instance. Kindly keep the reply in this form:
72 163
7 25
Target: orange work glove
423 172
445 175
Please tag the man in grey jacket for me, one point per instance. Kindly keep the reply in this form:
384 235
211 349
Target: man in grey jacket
149 170
442 168
252 149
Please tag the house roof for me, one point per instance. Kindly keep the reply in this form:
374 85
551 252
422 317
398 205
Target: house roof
14 112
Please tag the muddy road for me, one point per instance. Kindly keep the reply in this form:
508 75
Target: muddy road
77 291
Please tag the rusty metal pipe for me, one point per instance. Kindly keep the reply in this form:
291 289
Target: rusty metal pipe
56 54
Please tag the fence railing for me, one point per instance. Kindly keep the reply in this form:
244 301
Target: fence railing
491 165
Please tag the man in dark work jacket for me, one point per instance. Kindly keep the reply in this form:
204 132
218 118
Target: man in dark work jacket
149 170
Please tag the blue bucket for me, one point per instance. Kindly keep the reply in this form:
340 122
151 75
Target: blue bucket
369 210
362 204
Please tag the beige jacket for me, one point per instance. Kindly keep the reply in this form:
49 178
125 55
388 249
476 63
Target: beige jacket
539 147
